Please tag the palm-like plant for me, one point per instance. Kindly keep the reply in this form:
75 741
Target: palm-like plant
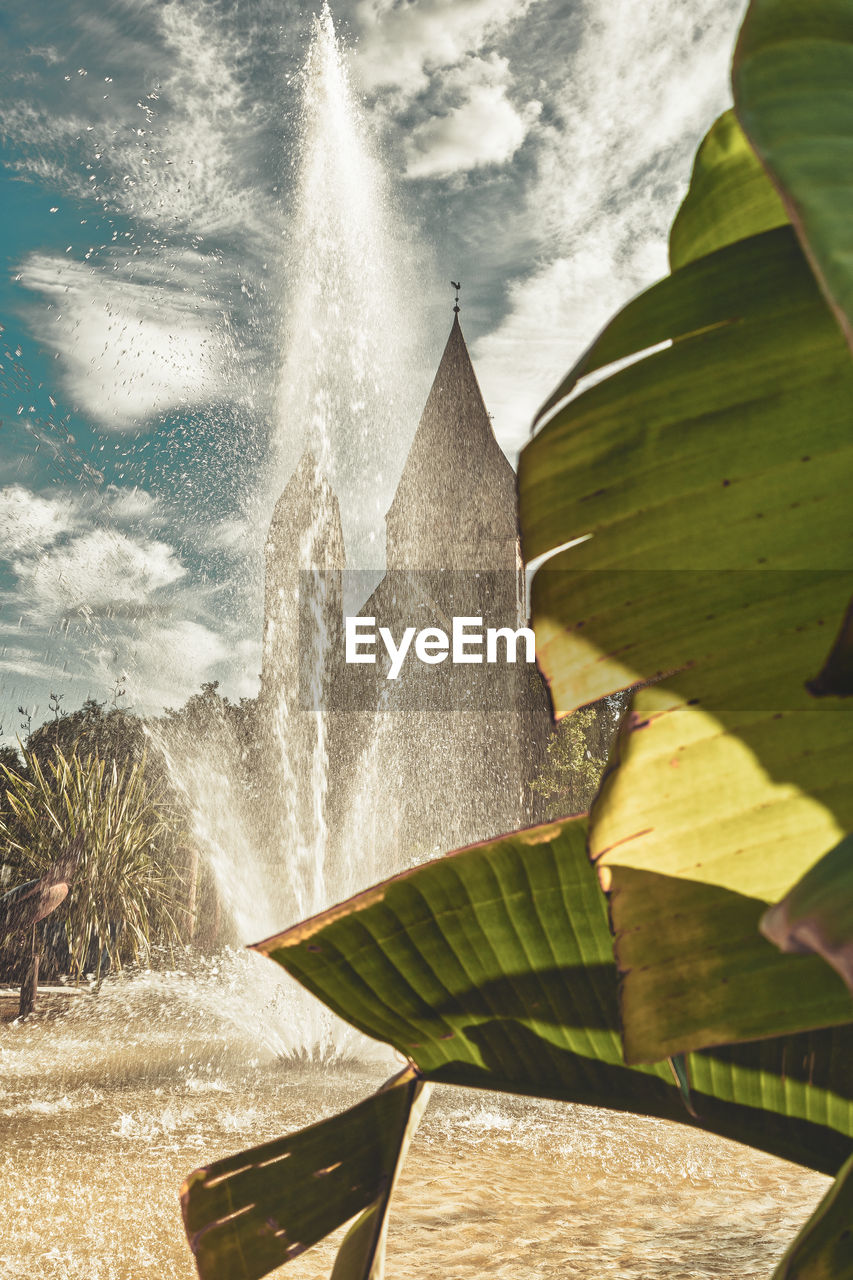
123 896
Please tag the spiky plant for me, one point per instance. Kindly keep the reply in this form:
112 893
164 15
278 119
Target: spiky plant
123 895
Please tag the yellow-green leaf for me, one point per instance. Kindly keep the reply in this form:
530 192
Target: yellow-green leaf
817 914
824 1248
250 1213
695 841
793 87
493 967
729 197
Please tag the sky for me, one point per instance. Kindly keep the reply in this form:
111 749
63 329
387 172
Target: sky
209 248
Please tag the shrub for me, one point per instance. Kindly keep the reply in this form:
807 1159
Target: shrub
124 896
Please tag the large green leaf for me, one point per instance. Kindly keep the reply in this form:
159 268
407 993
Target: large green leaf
706 478
729 197
817 914
695 841
493 967
793 86
252 1212
824 1248
710 480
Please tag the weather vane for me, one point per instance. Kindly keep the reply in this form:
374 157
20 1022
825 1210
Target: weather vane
457 286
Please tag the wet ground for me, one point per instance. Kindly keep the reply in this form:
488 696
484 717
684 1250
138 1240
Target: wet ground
108 1103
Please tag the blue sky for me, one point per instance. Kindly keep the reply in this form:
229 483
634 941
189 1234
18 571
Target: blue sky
171 216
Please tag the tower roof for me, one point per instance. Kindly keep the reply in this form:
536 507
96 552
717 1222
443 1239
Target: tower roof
456 478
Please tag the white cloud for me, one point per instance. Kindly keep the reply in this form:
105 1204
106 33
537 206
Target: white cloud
134 507
98 593
47 52
400 44
29 522
97 571
641 90
185 158
24 664
165 142
168 661
482 127
234 536
32 125
131 349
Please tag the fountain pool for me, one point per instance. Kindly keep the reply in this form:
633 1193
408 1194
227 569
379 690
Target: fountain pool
107 1104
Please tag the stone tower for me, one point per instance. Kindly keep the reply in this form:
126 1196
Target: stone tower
461 742
443 755
455 505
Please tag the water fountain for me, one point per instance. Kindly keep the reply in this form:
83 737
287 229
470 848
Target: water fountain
346 345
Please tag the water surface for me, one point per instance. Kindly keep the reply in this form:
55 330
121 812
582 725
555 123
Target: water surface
108 1104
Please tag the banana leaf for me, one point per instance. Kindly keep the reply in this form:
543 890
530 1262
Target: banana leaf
793 85
493 968
694 842
250 1213
817 914
729 197
824 1248
711 480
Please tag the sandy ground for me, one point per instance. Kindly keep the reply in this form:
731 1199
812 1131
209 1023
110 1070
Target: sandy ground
101 1118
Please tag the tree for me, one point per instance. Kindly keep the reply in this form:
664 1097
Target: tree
112 733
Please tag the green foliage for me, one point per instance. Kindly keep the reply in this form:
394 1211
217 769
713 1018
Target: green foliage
247 1214
207 725
122 897
792 72
822 1250
569 763
576 756
113 734
232 729
201 712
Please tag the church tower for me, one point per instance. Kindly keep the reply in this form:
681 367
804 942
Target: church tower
455 505
441 755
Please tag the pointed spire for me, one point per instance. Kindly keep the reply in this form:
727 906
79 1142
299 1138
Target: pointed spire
457 490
